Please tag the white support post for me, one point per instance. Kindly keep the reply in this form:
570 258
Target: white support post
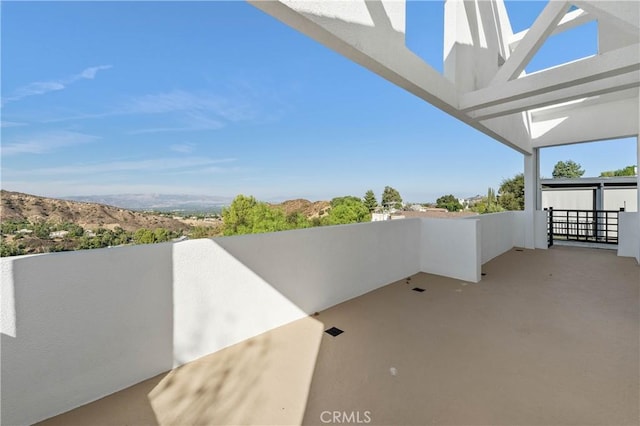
531 189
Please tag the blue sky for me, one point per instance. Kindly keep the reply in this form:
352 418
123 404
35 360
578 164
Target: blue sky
218 98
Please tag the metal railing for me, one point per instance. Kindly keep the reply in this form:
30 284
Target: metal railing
594 226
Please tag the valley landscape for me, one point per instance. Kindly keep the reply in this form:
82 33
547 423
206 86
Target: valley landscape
32 224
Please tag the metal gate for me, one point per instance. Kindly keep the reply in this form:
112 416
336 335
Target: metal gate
592 226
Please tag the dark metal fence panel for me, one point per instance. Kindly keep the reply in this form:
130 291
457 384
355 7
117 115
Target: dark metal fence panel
596 226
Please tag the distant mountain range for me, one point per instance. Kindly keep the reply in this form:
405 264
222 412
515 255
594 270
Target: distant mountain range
17 206
158 202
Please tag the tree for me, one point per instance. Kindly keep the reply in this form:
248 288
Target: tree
267 219
347 210
491 196
74 229
391 198
160 235
448 202
42 230
370 201
569 169
627 171
297 220
238 217
512 193
204 232
245 215
10 249
141 236
485 206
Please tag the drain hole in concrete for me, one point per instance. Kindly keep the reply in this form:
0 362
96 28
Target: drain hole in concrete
483 274
334 331
418 289
519 250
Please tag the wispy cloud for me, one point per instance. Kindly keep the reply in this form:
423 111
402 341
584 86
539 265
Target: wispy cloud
113 167
205 104
188 123
183 148
43 87
44 143
79 187
186 110
192 111
177 100
183 111
11 124
90 73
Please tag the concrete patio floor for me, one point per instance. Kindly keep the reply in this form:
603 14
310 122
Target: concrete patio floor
548 337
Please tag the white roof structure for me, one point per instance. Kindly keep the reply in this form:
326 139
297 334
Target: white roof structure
484 83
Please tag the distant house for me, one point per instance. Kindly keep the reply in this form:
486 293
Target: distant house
376 217
58 234
596 193
471 201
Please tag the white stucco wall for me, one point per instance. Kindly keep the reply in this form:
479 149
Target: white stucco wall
629 235
320 267
84 325
80 325
540 237
497 234
575 199
615 198
519 226
500 232
451 247
219 301
229 289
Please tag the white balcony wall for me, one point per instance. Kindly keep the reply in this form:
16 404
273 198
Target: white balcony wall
629 235
498 234
230 289
81 325
78 326
451 247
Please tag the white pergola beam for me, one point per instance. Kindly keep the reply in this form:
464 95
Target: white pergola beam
369 37
534 38
625 15
616 62
594 88
570 20
561 110
377 46
610 120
